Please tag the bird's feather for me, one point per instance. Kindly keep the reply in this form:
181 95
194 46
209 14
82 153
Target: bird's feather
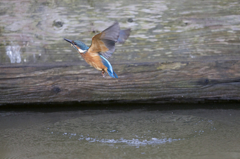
109 67
123 35
104 42
81 45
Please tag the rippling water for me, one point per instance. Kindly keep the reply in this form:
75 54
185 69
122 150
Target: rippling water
122 133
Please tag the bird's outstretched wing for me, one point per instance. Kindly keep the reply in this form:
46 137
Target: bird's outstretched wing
104 42
123 35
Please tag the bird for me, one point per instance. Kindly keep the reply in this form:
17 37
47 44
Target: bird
102 47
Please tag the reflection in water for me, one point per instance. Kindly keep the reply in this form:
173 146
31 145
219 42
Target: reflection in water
14 54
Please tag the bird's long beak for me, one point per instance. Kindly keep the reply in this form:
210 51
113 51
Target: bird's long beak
70 41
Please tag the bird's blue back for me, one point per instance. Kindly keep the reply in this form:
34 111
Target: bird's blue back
109 66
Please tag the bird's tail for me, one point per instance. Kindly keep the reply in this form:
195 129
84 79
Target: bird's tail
112 74
109 67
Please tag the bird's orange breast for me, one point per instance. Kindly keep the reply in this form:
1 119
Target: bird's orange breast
94 60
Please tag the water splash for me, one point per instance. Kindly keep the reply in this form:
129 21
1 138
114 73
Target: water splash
131 142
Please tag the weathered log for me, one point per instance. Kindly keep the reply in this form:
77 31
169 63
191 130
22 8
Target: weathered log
160 82
178 51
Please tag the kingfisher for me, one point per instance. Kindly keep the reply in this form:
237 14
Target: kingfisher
102 47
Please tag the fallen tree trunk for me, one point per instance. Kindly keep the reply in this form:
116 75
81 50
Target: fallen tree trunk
159 82
178 51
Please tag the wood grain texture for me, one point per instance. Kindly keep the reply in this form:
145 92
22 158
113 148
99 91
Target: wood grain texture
178 51
159 82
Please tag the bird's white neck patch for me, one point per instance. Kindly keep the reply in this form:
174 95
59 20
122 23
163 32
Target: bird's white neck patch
81 51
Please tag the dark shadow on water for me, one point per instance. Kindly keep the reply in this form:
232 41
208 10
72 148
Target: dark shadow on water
112 105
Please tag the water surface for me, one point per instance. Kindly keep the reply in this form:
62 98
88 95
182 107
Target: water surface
121 133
